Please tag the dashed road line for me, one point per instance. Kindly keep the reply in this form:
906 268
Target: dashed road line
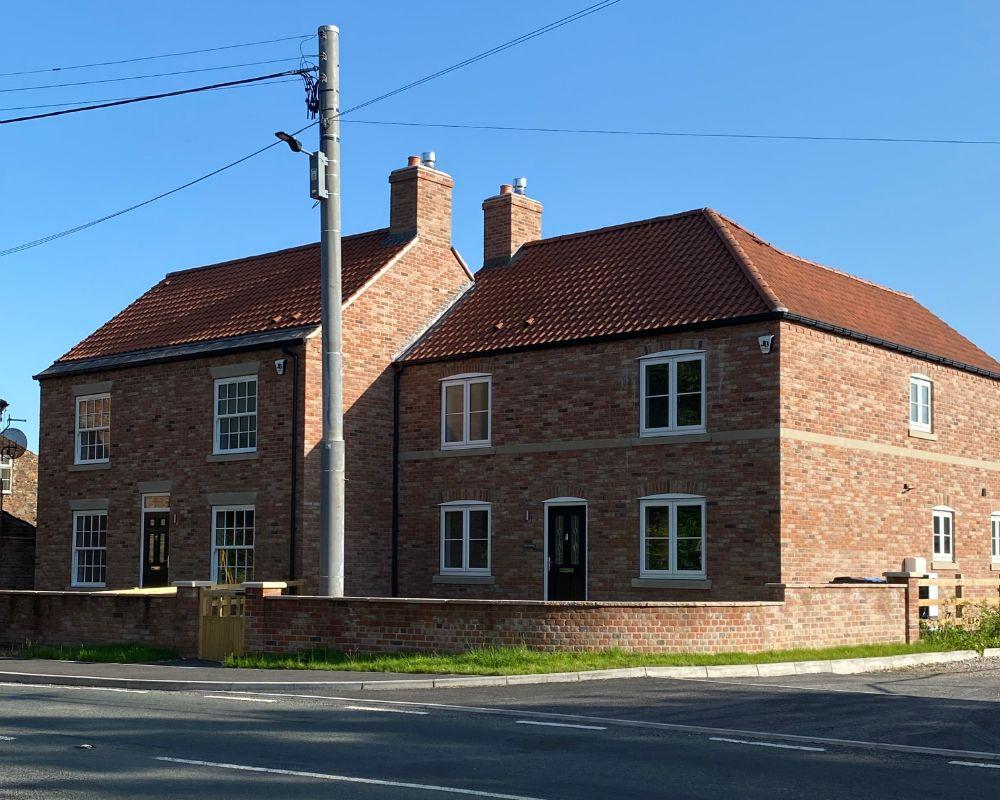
245 699
974 764
767 744
386 710
346 779
561 725
8 738
73 688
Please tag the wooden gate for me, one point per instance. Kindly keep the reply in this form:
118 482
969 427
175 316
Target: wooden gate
220 632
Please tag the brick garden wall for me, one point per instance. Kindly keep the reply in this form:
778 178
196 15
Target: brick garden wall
809 616
86 618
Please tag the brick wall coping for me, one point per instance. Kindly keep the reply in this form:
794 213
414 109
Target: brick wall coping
552 604
835 585
86 593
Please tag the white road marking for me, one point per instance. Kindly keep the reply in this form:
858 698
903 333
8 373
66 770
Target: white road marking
661 726
345 778
246 699
7 738
974 764
561 725
767 744
385 710
79 688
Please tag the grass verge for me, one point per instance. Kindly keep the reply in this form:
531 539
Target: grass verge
521 660
105 653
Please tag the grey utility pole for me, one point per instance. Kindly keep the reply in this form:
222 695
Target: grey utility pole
331 555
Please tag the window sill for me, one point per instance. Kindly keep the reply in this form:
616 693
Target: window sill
995 566
469 450
465 579
944 565
89 467
671 583
232 456
918 434
692 435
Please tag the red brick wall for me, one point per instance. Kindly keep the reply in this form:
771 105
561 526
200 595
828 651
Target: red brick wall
509 220
79 618
22 502
844 507
810 616
585 396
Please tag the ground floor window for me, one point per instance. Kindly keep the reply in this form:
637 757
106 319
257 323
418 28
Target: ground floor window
672 536
232 544
944 525
90 548
465 538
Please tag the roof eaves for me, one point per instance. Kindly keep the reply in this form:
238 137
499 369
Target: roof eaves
850 333
154 355
739 254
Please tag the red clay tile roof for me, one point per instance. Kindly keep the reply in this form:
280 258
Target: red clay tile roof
689 268
249 295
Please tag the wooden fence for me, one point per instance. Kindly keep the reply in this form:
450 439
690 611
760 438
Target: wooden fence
953 598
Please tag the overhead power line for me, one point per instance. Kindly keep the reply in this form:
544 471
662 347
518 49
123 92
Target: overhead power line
679 134
485 54
113 99
144 77
151 58
145 98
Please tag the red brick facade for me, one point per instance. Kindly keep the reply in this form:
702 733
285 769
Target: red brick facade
17 529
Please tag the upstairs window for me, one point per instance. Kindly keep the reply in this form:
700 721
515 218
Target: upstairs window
465 411
6 474
465 538
236 415
672 392
90 548
944 527
93 429
921 403
672 536
995 535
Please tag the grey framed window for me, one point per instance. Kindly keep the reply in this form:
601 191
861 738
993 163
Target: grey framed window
90 548
465 411
236 415
672 536
232 544
672 393
93 429
465 538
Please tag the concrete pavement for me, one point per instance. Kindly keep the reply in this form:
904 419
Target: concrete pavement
891 735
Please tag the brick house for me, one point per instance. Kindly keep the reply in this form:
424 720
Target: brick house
665 409
18 501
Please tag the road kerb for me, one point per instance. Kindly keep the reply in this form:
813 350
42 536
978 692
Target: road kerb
835 666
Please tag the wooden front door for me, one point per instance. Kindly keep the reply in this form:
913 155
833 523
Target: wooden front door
155 548
567 556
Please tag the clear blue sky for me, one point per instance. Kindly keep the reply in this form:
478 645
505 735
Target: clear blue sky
920 218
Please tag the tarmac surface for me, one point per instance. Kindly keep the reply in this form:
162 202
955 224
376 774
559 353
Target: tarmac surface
886 735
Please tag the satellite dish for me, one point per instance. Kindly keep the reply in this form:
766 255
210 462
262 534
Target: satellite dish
13 443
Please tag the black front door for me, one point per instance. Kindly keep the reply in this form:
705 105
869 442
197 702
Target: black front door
155 548
567 553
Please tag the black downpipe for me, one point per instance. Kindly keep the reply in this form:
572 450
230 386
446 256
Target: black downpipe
396 369
293 518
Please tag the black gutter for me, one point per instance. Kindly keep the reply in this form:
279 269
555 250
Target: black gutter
396 371
294 499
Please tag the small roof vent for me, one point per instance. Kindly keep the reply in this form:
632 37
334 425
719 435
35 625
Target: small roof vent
520 185
428 159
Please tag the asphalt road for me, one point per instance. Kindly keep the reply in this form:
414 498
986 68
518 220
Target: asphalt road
895 735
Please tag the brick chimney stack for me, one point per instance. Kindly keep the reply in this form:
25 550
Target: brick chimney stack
509 220
420 200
